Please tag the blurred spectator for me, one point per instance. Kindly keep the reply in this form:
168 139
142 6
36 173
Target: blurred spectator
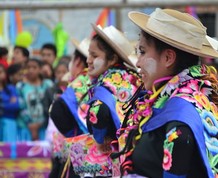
66 59
61 112
9 108
20 55
4 57
77 64
47 71
59 86
14 73
48 53
31 93
60 71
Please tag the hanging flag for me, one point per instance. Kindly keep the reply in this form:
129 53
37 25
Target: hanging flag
2 24
103 17
192 11
106 18
13 27
18 21
4 39
111 18
61 38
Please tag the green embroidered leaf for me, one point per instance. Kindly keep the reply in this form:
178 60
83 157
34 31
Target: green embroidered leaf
215 170
166 143
161 101
95 108
214 161
195 71
170 147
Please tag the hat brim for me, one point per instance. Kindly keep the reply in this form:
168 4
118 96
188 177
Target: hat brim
76 44
141 21
116 48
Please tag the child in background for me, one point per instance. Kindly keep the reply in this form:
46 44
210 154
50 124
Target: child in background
47 71
14 73
65 59
49 53
20 55
31 93
9 108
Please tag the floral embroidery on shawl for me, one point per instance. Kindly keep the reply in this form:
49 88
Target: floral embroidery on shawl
186 85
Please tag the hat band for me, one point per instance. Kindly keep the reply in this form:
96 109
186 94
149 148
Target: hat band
177 30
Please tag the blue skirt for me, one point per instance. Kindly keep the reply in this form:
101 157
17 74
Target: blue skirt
24 134
8 130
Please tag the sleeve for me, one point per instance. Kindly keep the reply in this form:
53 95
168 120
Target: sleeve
47 101
23 111
12 105
179 146
62 117
21 99
100 122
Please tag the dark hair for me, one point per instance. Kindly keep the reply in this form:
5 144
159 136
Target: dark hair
83 58
3 51
51 47
65 58
102 45
61 63
37 61
13 69
183 59
24 51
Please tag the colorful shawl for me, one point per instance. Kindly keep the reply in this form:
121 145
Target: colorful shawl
185 98
115 87
72 96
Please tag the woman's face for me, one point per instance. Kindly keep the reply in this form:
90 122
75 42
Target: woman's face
97 63
150 63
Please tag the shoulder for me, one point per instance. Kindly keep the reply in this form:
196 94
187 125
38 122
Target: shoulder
47 82
11 88
20 85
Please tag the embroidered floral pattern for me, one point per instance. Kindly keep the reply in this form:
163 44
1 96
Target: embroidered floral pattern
80 87
189 86
167 160
85 156
168 148
93 111
122 83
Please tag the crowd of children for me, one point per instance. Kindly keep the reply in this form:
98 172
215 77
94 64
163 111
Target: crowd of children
27 86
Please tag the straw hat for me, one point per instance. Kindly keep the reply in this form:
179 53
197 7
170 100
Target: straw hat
177 29
116 39
83 46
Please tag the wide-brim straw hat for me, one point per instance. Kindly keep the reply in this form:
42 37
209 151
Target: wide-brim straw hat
83 46
118 42
177 29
